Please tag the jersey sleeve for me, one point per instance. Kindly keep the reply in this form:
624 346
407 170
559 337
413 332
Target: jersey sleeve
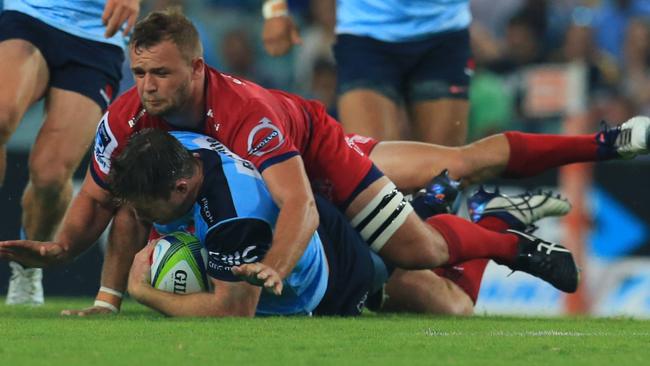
236 242
108 142
262 136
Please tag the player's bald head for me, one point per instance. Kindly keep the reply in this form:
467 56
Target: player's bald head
167 25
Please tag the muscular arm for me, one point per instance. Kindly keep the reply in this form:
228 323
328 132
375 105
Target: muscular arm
229 299
89 214
298 219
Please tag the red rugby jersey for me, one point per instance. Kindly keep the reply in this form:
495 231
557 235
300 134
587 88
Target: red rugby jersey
261 125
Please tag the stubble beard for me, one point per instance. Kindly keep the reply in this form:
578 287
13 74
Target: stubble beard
177 103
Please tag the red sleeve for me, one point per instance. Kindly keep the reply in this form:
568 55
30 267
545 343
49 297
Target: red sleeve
263 136
109 141
365 144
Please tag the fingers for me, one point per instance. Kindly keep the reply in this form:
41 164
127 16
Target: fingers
130 23
259 274
115 20
94 310
273 285
108 11
116 13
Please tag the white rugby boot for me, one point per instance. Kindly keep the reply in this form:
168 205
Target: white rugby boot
626 141
25 286
520 211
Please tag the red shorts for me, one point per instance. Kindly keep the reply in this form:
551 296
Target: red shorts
337 168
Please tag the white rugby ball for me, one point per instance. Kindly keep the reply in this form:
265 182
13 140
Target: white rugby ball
178 264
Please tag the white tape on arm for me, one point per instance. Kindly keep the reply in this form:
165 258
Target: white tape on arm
107 305
109 290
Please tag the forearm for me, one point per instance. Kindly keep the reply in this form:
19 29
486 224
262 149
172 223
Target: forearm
126 238
201 304
296 224
84 222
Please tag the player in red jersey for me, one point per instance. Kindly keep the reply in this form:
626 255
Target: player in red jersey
292 142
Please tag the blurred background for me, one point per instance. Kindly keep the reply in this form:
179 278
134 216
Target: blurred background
559 66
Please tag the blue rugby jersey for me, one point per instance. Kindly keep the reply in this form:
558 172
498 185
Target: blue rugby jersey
81 18
401 20
234 217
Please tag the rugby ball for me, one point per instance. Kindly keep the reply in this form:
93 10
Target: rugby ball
178 264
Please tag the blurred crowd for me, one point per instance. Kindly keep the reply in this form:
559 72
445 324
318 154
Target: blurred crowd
606 41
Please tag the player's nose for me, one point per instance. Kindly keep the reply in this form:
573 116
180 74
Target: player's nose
150 84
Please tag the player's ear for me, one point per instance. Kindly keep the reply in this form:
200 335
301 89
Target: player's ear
182 186
198 66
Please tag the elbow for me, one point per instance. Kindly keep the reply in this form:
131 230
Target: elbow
314 218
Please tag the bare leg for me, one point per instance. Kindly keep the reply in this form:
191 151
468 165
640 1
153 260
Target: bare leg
368 113
442 121
425 292
472 163
414 245
61 143
24 76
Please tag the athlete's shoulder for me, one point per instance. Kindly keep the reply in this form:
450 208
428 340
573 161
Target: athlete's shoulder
126 107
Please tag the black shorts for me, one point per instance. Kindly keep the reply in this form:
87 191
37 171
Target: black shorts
436 67
90 68
353 272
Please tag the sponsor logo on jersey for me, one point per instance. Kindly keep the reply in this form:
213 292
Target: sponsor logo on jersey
351 142
224 262
264 138
133 121
105 144
205 211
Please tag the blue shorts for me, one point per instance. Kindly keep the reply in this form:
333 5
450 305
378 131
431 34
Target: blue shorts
90 68
436 67
353 272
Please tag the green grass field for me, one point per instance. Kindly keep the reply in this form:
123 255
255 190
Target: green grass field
39 336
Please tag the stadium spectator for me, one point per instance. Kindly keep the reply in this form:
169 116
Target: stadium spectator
316 45
611 20
238 57
636 81
69 53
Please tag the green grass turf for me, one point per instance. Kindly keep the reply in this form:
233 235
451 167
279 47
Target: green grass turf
39 336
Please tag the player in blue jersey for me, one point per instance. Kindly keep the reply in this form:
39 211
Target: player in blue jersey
69 53
169 182
392 54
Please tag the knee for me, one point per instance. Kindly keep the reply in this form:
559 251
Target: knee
460 166
9 118
49 177
421 254
460 306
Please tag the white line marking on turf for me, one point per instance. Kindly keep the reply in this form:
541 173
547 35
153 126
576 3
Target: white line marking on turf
538 333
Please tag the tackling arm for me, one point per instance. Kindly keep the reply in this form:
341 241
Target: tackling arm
298 219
